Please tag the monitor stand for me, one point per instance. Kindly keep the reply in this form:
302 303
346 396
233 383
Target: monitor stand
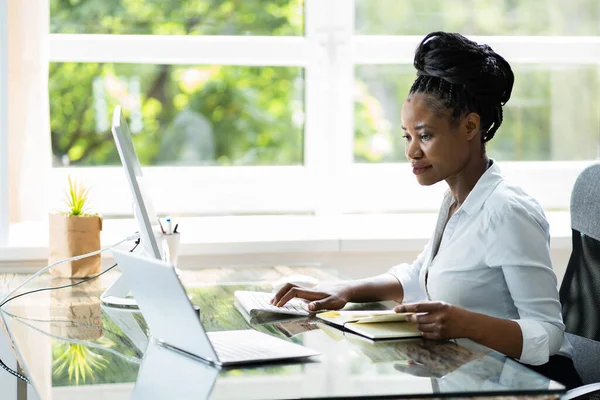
118 294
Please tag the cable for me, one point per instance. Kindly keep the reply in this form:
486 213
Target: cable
70 285
14 373
58 287
7 298
132 237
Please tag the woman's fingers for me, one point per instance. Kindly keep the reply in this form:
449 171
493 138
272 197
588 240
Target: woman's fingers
431 327
424 306
424 318
300 292
282 292
430 330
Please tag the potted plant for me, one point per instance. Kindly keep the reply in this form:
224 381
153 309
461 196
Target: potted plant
73 232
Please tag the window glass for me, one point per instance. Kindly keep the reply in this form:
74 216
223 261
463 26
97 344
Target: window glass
553 114
178 17
478 17
179 114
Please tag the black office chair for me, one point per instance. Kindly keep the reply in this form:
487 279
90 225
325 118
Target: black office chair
580 288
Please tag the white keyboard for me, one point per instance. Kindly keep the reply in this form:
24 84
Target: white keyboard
260 301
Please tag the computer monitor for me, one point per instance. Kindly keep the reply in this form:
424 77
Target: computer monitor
143 210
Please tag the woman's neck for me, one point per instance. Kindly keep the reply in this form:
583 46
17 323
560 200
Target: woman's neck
462 183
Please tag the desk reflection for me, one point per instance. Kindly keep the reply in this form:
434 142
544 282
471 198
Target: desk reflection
453 368
166 374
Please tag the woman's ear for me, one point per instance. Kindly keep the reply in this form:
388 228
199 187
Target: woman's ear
471 124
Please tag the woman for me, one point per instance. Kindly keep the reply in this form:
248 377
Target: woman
486 274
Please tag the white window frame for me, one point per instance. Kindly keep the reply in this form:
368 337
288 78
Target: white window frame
4 206
328 183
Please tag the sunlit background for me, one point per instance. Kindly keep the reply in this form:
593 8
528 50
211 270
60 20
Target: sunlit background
236 115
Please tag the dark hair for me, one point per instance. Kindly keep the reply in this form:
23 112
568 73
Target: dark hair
465 77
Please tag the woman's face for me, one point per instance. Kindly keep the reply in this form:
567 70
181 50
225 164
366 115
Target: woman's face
437 147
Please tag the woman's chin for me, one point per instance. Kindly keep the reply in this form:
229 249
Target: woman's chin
424 180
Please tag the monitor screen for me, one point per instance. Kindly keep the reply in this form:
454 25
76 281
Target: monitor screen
144 213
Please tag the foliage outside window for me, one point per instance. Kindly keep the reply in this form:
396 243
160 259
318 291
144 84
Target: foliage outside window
236 115
180 115
308 122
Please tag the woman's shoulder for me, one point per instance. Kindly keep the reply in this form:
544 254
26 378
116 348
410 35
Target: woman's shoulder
509 201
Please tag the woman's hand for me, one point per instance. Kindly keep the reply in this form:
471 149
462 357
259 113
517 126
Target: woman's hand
438 320
332 297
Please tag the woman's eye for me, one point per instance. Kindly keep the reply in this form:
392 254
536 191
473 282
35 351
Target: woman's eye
425 136
406 137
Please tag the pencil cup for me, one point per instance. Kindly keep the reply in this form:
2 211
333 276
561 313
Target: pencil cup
171 247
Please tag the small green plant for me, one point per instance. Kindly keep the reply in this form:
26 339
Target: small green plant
76 198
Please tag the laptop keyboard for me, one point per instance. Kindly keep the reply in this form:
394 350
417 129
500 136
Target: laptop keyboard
261 301
240 350
249 345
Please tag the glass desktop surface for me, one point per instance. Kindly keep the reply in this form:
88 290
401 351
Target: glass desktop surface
69 343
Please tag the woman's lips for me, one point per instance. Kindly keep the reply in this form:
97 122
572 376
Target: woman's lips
418 170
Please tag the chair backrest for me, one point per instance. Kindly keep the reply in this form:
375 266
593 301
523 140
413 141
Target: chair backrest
580 288
585 358
585 202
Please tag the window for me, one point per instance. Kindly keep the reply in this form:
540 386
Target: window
3 128
477 17
553 113
214 90
183 114
291 106
550 101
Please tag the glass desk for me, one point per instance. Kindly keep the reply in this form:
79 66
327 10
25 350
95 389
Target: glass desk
71 346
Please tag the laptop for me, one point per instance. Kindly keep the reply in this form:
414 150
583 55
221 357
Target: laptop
174 323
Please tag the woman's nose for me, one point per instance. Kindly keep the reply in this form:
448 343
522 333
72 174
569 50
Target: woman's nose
413 150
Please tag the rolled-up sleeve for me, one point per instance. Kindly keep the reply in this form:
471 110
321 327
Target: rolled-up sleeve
520 247
540 340
408 276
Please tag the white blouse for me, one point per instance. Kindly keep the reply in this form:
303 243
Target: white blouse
493 258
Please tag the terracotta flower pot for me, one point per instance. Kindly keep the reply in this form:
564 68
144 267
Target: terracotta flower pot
73 236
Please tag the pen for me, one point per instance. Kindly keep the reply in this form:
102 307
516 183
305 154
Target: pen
161 227
169 226
175 230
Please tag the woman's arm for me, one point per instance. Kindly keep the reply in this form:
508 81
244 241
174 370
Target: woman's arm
502 335
400 282
522 251
440 320
333 297
377 288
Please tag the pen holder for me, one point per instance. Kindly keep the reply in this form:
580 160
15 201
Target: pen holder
171 245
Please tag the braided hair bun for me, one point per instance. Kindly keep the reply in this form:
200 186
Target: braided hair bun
467 77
